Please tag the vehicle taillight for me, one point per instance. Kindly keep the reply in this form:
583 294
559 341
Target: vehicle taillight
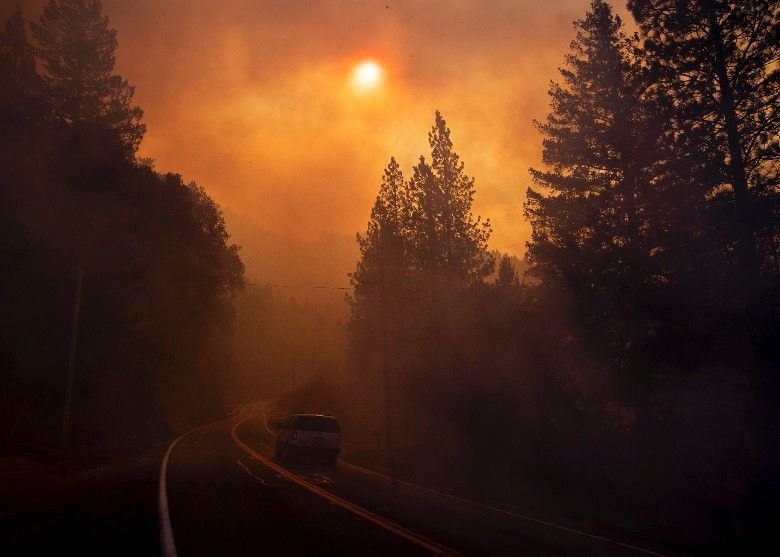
294 436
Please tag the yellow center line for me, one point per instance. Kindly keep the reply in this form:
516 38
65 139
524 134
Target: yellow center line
486 506
432 546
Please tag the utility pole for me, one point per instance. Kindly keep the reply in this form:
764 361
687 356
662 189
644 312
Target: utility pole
72 357
293 373
386 369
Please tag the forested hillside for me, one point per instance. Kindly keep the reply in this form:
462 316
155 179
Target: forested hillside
112 272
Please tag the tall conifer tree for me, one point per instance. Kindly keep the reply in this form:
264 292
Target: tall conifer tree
77 49
21 88
449 245
591 216
506 280
719 62
383 266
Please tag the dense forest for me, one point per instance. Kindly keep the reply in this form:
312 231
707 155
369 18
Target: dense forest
626 371
127 271
634 365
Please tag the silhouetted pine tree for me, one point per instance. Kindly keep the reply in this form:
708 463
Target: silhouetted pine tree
718 61
448 245
159 271
422 259
506 281
77 49
593 217
383 268
21 88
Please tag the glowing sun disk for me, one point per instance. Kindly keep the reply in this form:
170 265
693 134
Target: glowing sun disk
367 75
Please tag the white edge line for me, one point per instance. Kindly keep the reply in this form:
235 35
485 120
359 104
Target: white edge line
486 506
167 541
387 524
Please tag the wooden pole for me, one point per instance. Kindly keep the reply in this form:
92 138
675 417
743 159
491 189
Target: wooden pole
72 358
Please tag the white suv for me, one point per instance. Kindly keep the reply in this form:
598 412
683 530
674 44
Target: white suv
312 435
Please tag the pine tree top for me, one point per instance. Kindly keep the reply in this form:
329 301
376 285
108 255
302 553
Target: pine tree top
77 49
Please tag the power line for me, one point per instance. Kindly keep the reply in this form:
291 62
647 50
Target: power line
314 286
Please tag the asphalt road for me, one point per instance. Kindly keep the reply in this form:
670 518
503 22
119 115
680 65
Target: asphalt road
223 494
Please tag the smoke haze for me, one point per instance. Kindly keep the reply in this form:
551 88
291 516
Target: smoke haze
252 100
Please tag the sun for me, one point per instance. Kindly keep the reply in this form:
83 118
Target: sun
367 75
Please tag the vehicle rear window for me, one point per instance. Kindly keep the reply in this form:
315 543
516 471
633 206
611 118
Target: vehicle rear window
316 423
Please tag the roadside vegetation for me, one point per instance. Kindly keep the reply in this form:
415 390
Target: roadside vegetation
623 374
157 269
630 373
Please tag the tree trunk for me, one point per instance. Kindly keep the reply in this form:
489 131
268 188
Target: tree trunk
745 238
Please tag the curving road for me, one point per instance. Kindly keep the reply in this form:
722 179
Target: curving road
221 493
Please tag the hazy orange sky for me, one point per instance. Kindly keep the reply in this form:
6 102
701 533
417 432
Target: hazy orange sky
253 98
